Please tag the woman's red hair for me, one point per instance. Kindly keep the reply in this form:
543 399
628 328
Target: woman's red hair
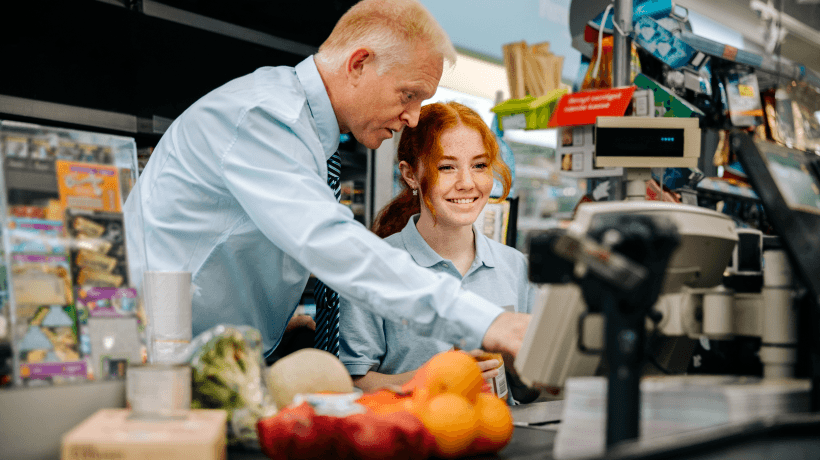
421 146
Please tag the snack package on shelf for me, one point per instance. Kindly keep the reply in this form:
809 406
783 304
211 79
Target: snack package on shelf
743 97
99 252
46 330
88 185
48 345
63 195
599 74
789 115
111 327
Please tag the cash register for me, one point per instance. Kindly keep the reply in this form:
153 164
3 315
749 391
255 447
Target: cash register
564 330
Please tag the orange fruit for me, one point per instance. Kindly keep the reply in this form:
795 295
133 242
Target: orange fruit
495 424
452 372
386 402
453 422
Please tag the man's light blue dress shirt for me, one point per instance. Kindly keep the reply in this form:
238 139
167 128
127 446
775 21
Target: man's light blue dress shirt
369 343
236 193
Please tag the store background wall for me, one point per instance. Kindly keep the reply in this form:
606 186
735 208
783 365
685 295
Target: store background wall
150 64
482 26
479 29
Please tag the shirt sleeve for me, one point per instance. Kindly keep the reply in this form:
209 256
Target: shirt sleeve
362 343
271 171
527 291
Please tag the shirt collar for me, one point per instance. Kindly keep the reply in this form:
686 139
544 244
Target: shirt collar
425 256
319 103
483 253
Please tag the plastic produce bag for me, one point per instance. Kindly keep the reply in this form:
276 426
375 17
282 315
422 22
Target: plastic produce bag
335 426
226 367
419 421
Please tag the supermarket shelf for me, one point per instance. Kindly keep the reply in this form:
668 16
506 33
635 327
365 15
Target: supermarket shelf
169 13
773 64
92 118
31 108
721 190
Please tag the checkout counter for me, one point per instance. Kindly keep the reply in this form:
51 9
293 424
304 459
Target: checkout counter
25 437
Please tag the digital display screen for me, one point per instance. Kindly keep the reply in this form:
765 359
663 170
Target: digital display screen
640 142
798 186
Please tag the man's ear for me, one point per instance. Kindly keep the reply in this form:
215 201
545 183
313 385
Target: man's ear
356 63
407 173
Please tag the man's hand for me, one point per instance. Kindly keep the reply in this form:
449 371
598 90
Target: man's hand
506 334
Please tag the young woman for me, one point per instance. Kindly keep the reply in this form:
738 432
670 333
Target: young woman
447 165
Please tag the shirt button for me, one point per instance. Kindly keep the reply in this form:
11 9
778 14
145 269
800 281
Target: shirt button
404 322
446 265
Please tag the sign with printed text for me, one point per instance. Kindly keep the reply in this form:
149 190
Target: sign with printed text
585 107
88 186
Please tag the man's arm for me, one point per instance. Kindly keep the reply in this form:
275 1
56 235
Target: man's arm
373 381
506 334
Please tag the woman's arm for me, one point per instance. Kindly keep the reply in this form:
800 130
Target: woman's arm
373 381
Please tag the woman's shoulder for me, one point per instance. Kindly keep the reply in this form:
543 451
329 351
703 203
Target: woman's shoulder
396 240
507 253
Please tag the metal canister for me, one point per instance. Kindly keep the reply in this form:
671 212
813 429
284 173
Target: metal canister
158 391
499 382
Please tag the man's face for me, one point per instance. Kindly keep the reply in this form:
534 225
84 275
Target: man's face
384 104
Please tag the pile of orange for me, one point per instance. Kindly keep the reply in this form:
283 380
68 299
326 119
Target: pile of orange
445 394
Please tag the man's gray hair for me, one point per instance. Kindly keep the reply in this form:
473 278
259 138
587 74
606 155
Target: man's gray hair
390 28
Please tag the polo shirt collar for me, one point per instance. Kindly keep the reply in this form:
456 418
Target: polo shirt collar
319 103
483 253
425 256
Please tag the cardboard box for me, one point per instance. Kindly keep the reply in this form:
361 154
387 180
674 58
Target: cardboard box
109 433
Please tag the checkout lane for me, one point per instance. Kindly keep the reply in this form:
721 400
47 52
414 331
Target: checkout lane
794 436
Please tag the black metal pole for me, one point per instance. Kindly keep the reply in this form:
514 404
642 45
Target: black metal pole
625 333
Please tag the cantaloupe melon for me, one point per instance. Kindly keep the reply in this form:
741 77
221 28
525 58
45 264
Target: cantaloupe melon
307 371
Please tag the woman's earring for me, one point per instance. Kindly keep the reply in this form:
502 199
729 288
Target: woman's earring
415 192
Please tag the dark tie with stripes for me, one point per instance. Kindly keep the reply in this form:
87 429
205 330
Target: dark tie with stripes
327 300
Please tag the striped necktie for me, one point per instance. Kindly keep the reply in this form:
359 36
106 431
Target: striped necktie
327 300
